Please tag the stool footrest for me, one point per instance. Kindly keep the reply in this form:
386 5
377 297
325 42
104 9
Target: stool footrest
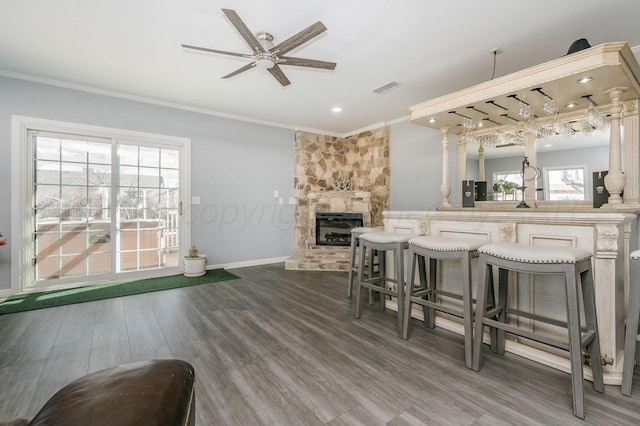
536 317
379 289
587 337
493 312
438 307
424 292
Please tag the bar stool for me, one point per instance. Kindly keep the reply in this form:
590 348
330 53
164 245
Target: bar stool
355 242
383 242
631 335
575 265
427 294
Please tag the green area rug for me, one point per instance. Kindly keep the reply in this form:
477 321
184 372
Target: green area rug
47 299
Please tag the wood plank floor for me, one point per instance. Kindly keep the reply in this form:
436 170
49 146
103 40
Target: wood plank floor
282 347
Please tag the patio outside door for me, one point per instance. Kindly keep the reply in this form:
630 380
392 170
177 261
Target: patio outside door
103 208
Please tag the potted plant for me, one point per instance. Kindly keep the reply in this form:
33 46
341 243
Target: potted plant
508 187
504 186
194 263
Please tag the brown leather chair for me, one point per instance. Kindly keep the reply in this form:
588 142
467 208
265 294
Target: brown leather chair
154 392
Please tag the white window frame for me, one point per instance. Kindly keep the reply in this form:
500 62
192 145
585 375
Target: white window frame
587 181
22 191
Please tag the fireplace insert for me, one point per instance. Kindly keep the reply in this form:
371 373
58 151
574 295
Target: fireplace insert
334 229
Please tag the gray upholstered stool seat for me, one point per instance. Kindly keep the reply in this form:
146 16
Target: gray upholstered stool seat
355 242
631 334
428 294
575 265
382 242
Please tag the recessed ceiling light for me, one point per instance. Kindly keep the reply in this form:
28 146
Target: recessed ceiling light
547 145
480 124
336 109
584 80
432 120
571 105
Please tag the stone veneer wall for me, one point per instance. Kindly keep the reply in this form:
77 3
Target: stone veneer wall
319 159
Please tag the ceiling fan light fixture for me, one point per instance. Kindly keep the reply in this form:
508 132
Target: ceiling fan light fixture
264 64
265 61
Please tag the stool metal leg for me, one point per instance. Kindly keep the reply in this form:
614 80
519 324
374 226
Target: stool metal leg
363 250
467 310
589 300
410 287
431 285
631 338
497 335
352 264
399 257
382 258
372 254
575 346
485 274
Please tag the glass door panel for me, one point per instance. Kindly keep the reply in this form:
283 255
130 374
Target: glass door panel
71 196
148 197
96 213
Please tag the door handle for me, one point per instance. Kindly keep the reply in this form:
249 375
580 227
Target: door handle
180 208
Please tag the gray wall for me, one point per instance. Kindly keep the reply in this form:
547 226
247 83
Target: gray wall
416 167
235 168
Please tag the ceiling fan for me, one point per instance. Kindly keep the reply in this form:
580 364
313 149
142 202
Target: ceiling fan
268 56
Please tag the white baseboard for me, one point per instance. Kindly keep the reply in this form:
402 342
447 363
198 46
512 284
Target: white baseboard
4 293
248 263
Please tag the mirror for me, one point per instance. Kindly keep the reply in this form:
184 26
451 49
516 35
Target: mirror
565 166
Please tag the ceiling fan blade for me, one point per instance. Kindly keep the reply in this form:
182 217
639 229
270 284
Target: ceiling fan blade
244 31
300 38
302 62
276 71
239 70
223 52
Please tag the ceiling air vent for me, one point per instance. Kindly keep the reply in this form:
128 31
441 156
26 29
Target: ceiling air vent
386 87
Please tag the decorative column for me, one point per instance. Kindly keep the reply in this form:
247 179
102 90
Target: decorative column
614 180
530 175
481 164
631 157
445 188
462 166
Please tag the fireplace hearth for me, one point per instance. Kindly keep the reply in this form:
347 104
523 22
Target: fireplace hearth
334 229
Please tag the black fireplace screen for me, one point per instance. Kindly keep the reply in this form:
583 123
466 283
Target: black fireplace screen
334 229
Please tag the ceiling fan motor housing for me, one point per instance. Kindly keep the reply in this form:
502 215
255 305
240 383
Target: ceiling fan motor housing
265 39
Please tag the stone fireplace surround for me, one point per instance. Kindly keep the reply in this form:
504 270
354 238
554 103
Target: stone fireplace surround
319 159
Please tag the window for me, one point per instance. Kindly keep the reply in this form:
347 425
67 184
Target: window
508 191
565 183
99 203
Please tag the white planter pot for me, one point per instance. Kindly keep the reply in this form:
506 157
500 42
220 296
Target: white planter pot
195 266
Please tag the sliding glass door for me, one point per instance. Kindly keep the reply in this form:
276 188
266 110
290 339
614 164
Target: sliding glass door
103 207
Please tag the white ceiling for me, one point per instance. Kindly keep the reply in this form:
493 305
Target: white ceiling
132 48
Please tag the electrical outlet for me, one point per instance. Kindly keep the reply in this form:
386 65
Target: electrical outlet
276 193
